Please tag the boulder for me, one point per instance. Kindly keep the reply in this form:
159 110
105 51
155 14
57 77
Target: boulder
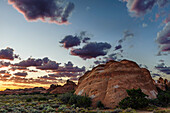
69 86
108 82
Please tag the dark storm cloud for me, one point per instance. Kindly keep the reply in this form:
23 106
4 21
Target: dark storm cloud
8 54
43 64
92 50
141 7
162 68
163 39
52 11
70 41
21 74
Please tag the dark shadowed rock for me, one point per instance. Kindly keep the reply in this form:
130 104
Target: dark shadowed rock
69 86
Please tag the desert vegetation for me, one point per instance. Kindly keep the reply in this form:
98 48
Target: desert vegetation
71 103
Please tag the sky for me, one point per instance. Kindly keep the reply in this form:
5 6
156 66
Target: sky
44 42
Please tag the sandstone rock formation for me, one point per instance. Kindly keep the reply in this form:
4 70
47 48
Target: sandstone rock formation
108 82
162 84
69 86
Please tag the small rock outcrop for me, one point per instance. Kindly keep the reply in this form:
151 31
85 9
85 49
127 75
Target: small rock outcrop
162 83
69 86
108 82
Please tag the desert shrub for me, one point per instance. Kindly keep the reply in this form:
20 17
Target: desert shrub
65 97
160 111
42 99
135 100
117 110
164 98
83 101
79 101
28 100
129 110
100 104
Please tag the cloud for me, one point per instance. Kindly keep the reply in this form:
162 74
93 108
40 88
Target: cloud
42 64
162 68
118 47
3 71
50 65
92 50
4 64
21 74
29 62
126 34
46 78
113 56
13 68
155 75
86 39
52 11
8 54
70 41
141 7
162 3
167 19
163 39
70 68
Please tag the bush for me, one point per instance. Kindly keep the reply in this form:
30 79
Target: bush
28 100
164 98
42 99
136 100
100 104
65 97
79 101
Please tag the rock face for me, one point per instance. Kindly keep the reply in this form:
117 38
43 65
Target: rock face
108 83
21 91
162 84
69 86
